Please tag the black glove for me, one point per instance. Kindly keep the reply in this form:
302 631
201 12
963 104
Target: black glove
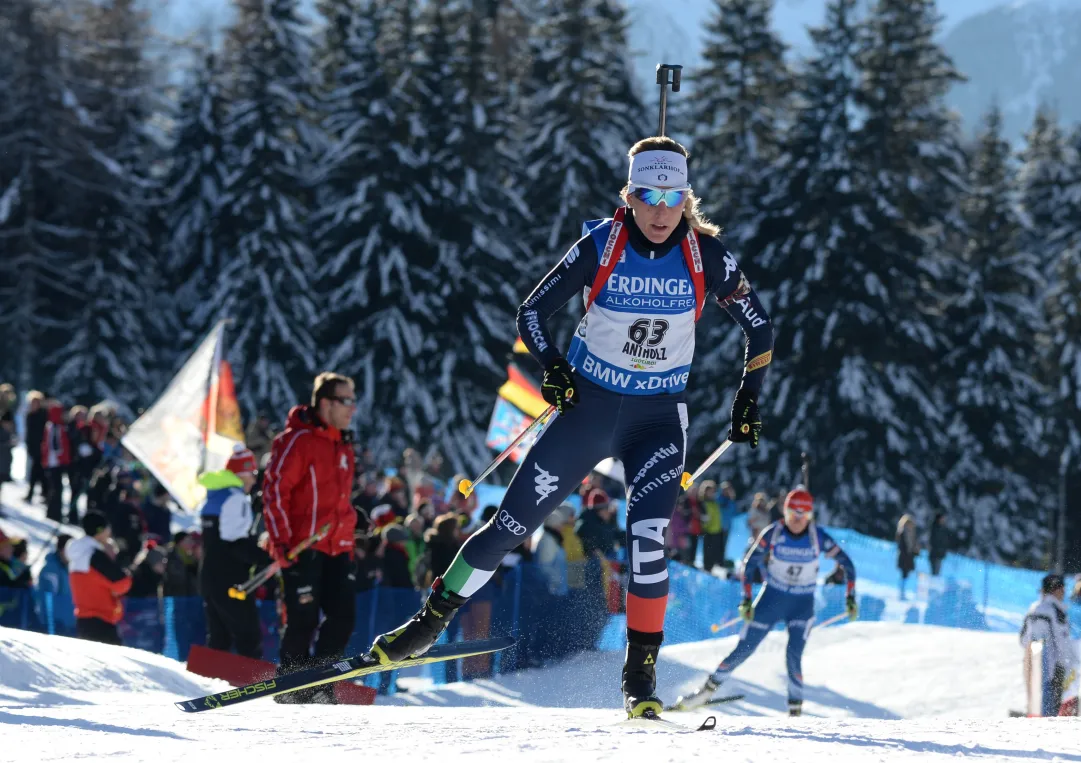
558 388
746 423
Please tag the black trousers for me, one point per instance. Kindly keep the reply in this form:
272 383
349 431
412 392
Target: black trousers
54 493
94 629
713 550
233 624
314 583
37 473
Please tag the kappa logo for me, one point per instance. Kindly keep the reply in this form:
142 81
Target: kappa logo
513 525
730 265
546 483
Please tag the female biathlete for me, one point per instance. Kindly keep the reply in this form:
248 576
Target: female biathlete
644 275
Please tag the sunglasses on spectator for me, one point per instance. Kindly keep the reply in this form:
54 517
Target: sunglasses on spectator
653 196
349 402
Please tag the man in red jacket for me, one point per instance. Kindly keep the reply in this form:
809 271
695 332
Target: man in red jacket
307 484
56 460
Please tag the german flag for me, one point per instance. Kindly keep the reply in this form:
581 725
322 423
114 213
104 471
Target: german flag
522 392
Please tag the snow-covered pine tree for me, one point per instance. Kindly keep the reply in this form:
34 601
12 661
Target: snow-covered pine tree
40 290
194 186
371 236
266 281
911 166
1063 309
580 117
475 217
1040 183
111 353
999 426
738 106
740 100
829 309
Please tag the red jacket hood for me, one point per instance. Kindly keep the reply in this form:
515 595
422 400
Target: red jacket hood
305 417
56 414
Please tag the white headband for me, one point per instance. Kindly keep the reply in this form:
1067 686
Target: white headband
659 168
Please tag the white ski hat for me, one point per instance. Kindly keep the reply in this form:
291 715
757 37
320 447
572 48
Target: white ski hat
667 169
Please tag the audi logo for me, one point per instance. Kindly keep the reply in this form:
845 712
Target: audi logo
512 524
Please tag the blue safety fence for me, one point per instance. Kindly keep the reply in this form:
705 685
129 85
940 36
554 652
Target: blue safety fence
550 619
527 602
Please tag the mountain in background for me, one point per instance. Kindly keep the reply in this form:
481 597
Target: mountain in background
1018 53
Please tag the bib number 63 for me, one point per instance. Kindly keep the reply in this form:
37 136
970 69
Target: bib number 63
648 331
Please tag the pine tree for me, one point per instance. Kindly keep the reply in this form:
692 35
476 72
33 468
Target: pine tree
111 353
195 184
1041 180
740 100
41 288
1063 307
999 427
580 118
370 234
911 164
475 213
739 103
265 284
830 311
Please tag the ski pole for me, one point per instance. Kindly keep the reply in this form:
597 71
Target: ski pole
241 591
832 620
688 479
465 487
725 626
663 71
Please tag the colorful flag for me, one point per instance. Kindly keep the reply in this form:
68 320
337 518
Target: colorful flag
193 426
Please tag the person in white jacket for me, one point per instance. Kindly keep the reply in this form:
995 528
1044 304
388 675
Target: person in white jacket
1047 621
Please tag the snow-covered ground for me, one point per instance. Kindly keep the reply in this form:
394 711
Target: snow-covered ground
876 691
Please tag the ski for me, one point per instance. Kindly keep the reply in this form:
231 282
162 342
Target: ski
715 701
354 667
655 722
723 700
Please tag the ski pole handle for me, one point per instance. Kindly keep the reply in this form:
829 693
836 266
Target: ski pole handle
688 479
241 591
465 487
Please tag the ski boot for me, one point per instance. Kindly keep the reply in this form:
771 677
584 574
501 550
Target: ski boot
417 635
640 676
795 708
699 697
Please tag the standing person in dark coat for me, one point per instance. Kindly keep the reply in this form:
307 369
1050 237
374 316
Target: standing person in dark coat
230 555
908 548
939 542
36 418
55 454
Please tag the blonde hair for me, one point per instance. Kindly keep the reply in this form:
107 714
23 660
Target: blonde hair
692 207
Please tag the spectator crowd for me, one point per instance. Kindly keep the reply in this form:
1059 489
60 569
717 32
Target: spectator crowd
410 523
